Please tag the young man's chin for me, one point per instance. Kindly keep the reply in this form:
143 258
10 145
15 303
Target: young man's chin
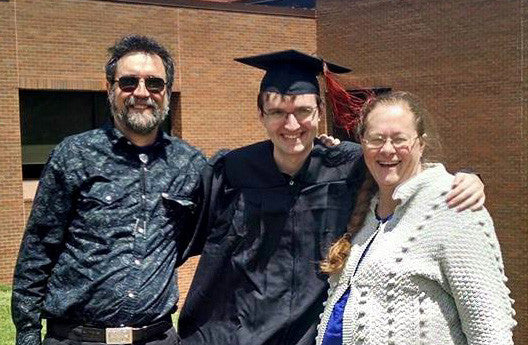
294 151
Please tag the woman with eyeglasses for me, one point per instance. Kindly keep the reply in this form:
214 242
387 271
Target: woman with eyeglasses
410 270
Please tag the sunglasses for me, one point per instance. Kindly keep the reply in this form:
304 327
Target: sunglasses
130 83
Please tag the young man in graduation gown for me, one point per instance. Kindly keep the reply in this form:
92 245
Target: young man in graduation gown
274 209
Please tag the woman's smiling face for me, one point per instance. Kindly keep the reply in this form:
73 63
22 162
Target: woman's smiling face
391 144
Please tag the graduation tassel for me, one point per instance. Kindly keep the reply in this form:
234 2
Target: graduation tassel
346 107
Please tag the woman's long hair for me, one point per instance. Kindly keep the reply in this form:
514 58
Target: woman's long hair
339 251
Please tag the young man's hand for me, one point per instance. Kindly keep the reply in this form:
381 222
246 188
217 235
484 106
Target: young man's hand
328 140
467 192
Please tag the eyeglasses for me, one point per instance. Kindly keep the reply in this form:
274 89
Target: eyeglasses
399 142
301 113
129 83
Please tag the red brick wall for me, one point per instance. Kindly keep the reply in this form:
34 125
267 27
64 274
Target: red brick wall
218 94
11 205
64 47
61 44
467 60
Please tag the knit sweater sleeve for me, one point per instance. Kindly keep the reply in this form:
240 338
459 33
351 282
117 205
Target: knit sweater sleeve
472 264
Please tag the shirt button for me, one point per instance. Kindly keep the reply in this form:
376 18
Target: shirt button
141 230
131 295
292 183
137 262
143 196
108 198
143 158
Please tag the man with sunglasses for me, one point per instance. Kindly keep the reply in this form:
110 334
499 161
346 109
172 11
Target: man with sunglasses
274 209
110 218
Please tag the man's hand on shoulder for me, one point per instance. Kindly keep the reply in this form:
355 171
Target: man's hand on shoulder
328 140
467 192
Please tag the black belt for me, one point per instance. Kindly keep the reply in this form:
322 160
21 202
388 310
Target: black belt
118 335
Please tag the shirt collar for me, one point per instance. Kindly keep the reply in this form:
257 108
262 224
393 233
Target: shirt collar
118 138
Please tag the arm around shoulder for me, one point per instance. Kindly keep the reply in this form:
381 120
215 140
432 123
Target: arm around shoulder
211 180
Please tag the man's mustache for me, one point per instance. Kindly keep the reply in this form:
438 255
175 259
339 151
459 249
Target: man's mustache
130 102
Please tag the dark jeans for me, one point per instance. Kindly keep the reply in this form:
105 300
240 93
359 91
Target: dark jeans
169 337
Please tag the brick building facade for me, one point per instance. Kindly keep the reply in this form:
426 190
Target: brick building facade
465 58
61 45
468 61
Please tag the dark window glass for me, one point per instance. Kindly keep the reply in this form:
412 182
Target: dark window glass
47 117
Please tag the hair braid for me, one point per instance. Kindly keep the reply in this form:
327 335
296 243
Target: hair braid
338 252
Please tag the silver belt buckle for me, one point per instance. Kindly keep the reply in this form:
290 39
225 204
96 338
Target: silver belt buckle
121 335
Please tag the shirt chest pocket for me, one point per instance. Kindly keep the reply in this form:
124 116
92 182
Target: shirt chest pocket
102 196
102 205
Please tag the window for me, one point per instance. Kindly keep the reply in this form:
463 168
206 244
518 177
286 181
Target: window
47 117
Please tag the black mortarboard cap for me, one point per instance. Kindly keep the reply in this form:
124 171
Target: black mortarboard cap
290 72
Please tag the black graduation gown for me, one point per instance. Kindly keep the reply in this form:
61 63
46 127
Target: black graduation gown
258 280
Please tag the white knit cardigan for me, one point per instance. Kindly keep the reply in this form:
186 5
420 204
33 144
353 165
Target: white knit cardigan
432 276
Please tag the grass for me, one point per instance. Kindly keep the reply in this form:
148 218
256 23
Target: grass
7 329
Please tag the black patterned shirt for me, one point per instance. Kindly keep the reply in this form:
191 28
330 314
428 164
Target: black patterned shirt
109 225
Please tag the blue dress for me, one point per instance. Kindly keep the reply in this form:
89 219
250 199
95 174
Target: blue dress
334 330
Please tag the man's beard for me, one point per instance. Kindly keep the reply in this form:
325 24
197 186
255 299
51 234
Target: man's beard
137 122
